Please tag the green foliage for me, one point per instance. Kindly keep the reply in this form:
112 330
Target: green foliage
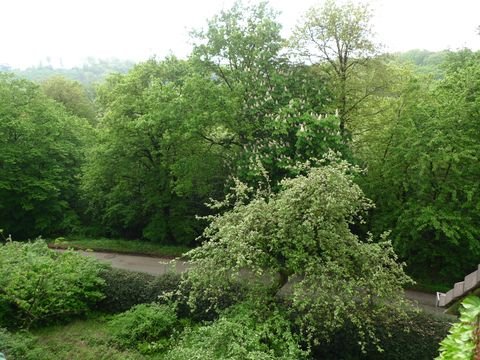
41 285
303 234
186 126
414 338
204 306
462 340
72 95
151 125
422 172
19 346
142 325
426 62
243 332
124 289
41 149
276 117
85 339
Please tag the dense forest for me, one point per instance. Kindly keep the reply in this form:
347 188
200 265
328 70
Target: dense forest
312 178
139 153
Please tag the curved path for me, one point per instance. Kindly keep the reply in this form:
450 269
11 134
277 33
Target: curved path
145 264
160 266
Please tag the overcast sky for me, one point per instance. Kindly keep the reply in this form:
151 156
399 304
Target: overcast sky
72 30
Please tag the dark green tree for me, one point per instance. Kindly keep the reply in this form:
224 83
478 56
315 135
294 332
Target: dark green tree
152 167
41 150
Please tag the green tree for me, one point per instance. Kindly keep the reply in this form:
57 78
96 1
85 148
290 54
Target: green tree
277 120
302 235
41 150
422 172
339 39
72 95
152 166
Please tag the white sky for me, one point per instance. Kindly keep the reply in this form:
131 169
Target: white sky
72 30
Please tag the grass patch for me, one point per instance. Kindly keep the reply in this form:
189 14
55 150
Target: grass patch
82 340
136 247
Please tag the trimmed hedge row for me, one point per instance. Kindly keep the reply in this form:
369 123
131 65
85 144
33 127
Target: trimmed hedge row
416 338
125 289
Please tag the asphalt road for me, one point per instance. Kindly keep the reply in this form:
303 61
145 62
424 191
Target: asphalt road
160 266
145 264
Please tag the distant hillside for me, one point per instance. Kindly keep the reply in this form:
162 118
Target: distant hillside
425 61
94 70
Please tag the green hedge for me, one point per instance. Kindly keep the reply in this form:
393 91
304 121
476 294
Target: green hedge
421 342
125 289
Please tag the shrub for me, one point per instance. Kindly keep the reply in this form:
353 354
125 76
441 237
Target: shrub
415 338
143 324
242 332
125 289
204 307
19 346
38 284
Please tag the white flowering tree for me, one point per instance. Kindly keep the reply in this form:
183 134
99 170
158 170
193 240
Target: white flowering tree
300 238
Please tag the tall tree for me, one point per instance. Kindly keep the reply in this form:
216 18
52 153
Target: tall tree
339 39
152 169
41 151
278 118
241 47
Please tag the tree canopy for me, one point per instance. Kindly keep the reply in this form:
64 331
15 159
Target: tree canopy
41 150
72 95
140 153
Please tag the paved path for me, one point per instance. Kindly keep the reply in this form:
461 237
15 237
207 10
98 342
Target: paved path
145 264
160 266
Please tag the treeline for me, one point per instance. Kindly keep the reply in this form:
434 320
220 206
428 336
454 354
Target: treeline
157 143
91 72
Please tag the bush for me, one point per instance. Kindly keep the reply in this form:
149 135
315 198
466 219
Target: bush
142 325
40 285
125 289
242 332
205 307
20 346
415 338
